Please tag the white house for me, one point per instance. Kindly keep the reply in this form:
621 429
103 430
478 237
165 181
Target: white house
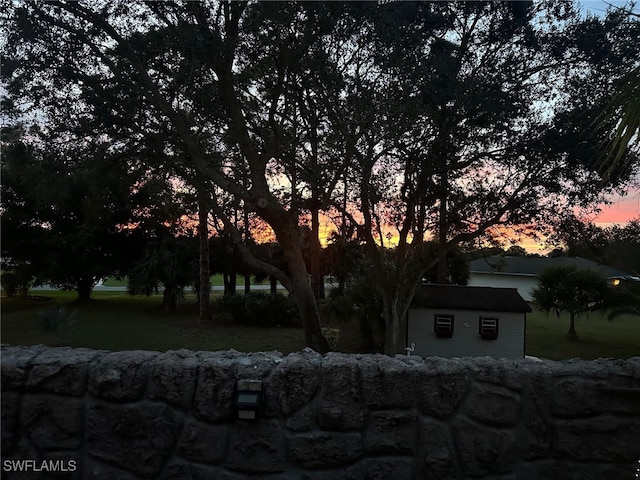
522 272
460 321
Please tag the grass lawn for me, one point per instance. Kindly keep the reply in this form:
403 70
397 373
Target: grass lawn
599 337
216 280
118 321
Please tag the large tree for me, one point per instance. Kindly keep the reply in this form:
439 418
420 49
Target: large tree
480 125
617 246
436 119
64 209
189 77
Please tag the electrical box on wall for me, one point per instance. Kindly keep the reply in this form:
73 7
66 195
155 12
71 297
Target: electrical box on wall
248 399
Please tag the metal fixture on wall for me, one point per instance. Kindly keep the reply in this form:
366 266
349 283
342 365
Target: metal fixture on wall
248 399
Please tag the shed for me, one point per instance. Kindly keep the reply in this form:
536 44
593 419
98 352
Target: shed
460 321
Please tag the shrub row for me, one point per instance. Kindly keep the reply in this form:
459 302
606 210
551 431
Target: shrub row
262 310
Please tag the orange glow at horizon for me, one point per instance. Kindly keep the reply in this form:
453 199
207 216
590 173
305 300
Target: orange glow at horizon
621 210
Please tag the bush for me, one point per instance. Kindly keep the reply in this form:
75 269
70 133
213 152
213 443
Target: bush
58 321
262 310
332 335
9 283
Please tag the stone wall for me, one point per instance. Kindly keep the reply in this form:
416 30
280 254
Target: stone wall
141 415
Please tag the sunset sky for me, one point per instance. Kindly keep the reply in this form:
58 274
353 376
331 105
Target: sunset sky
623 207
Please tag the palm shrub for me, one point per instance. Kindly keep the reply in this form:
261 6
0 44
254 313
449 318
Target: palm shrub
170 265
624 299
565 288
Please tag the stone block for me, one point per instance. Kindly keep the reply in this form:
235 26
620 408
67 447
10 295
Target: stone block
121 375
138 438
436 452
324 449
440 387
606 438
575 471
508 373
575 367
173 378
202 442
255 447
16 364
339 405
390 432
537 433
94 470
181 470
493 405
292 385
62 465
302 420
231 475
379 468
62 370
483 450
22 450
213 400
10 402
584 397
53 422
257 365
629 367
388 382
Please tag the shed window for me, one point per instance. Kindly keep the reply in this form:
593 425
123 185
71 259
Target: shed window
443 325
488 328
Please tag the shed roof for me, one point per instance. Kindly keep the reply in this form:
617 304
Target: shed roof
532 266
463 297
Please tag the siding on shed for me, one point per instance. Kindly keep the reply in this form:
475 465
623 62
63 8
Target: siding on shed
466 341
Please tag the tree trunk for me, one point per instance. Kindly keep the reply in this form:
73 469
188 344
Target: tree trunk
315 208
303 296
315 251
84 286
170 299
395 335
274 285
367 334
572 334
394 339
395 307
247 238
203 239
442 270
229 279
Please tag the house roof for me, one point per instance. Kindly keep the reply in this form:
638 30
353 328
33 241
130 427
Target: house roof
463 297
532 266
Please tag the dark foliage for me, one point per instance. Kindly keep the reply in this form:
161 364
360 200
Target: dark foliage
262 310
